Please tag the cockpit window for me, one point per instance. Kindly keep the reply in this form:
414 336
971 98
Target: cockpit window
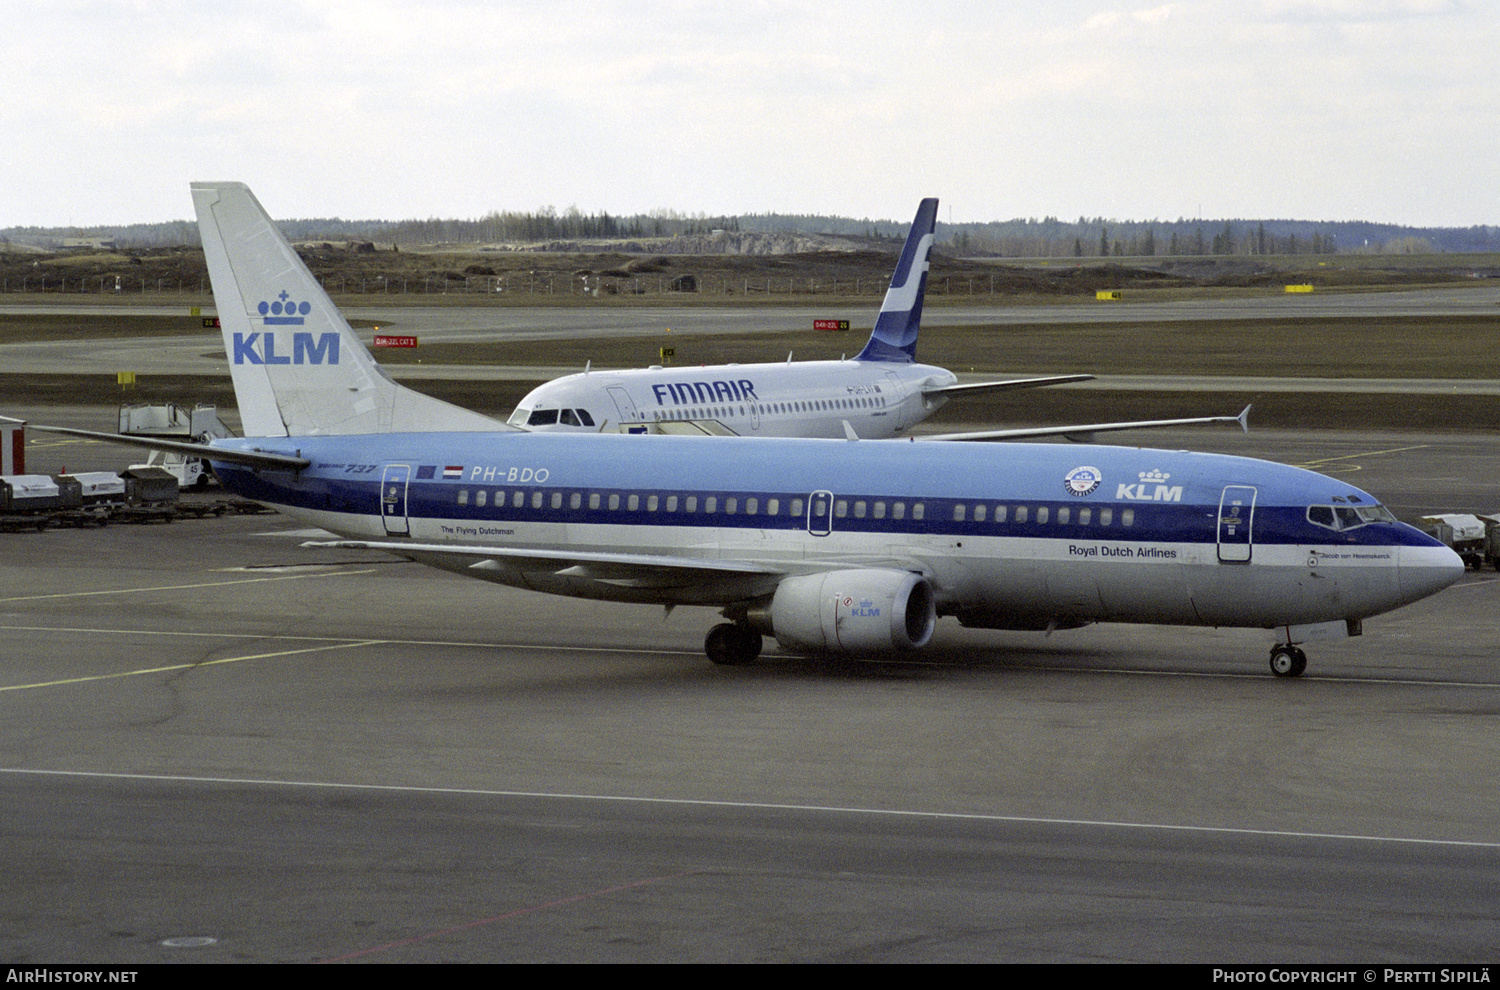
569 418
518 418
1344 517
543 417
585 418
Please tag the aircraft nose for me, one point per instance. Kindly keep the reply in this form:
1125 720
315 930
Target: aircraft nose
1427 570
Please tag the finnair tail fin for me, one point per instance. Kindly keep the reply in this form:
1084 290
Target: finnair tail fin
298 368
895 336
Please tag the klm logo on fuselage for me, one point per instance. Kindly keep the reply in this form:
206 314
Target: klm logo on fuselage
1152 487
266 347
691 393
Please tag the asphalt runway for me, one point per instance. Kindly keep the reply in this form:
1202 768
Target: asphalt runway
218 746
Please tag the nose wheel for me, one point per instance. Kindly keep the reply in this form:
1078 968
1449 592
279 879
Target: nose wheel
1287 660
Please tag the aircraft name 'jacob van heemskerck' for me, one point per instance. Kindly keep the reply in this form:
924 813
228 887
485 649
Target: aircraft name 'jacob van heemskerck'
878 394
832 546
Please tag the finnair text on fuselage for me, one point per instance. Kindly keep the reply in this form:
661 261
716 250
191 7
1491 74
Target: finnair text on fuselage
719 390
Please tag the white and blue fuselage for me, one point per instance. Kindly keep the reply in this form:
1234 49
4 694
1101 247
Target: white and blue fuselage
1006 535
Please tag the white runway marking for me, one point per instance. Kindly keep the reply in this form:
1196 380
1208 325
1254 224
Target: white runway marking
170 587
763 806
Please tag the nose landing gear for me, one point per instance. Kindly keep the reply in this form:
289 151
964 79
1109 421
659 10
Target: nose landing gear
1287 660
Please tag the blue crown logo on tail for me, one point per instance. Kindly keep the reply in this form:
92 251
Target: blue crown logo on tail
894 338
283 312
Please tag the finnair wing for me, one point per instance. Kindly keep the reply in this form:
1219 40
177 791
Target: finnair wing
1005 386
1084 434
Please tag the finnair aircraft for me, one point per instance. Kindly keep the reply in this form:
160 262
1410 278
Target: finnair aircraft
879 394
851 547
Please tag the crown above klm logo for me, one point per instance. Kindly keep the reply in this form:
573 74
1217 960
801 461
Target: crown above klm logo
283 311
1154 476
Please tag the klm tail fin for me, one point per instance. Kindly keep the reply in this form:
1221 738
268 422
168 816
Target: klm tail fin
298 368
895 336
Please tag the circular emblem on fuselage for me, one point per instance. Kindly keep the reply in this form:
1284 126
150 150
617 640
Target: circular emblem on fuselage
1082 480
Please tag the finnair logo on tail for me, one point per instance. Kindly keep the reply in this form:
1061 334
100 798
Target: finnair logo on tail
261 348
283 312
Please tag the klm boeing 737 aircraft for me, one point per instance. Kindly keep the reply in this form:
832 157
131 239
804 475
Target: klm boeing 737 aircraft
851 546
879 394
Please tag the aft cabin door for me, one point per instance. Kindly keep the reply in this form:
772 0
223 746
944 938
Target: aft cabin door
393 499
1236 516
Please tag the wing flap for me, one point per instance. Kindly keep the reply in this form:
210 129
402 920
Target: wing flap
577 563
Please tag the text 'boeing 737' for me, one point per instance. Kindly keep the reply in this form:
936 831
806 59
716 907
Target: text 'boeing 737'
880 393
851 547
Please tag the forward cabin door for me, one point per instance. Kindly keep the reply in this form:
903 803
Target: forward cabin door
820 513
624 406
1236 519
393 499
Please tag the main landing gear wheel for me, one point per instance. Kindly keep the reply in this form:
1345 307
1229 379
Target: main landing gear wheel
1287 660
732 644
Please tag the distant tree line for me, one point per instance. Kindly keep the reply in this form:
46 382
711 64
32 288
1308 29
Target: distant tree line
1049 237
1101 238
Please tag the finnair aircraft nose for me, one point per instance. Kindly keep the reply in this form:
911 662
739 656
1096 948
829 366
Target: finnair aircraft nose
1427 570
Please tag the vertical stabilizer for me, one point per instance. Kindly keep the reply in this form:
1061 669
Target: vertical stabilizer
895 336
298 368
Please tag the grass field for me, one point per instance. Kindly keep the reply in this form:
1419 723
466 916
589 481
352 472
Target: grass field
1380 348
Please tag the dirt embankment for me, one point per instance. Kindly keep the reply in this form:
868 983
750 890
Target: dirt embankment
363 268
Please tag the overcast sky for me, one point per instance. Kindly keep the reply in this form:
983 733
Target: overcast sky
1381 110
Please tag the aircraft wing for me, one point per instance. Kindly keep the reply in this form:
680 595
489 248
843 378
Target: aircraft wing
1084 434
229 455
701 579
1006 386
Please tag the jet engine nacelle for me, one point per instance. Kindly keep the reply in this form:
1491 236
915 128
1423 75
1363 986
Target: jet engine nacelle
853 611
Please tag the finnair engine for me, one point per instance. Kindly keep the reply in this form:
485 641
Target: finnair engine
853 611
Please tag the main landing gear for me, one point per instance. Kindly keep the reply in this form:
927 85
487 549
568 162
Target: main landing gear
732 644
1287 660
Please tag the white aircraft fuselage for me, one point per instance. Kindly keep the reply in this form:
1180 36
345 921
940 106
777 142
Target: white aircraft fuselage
878 399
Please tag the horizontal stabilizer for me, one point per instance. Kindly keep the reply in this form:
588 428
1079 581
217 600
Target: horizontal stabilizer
224 455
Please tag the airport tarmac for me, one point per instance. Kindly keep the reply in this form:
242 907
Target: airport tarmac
218 746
